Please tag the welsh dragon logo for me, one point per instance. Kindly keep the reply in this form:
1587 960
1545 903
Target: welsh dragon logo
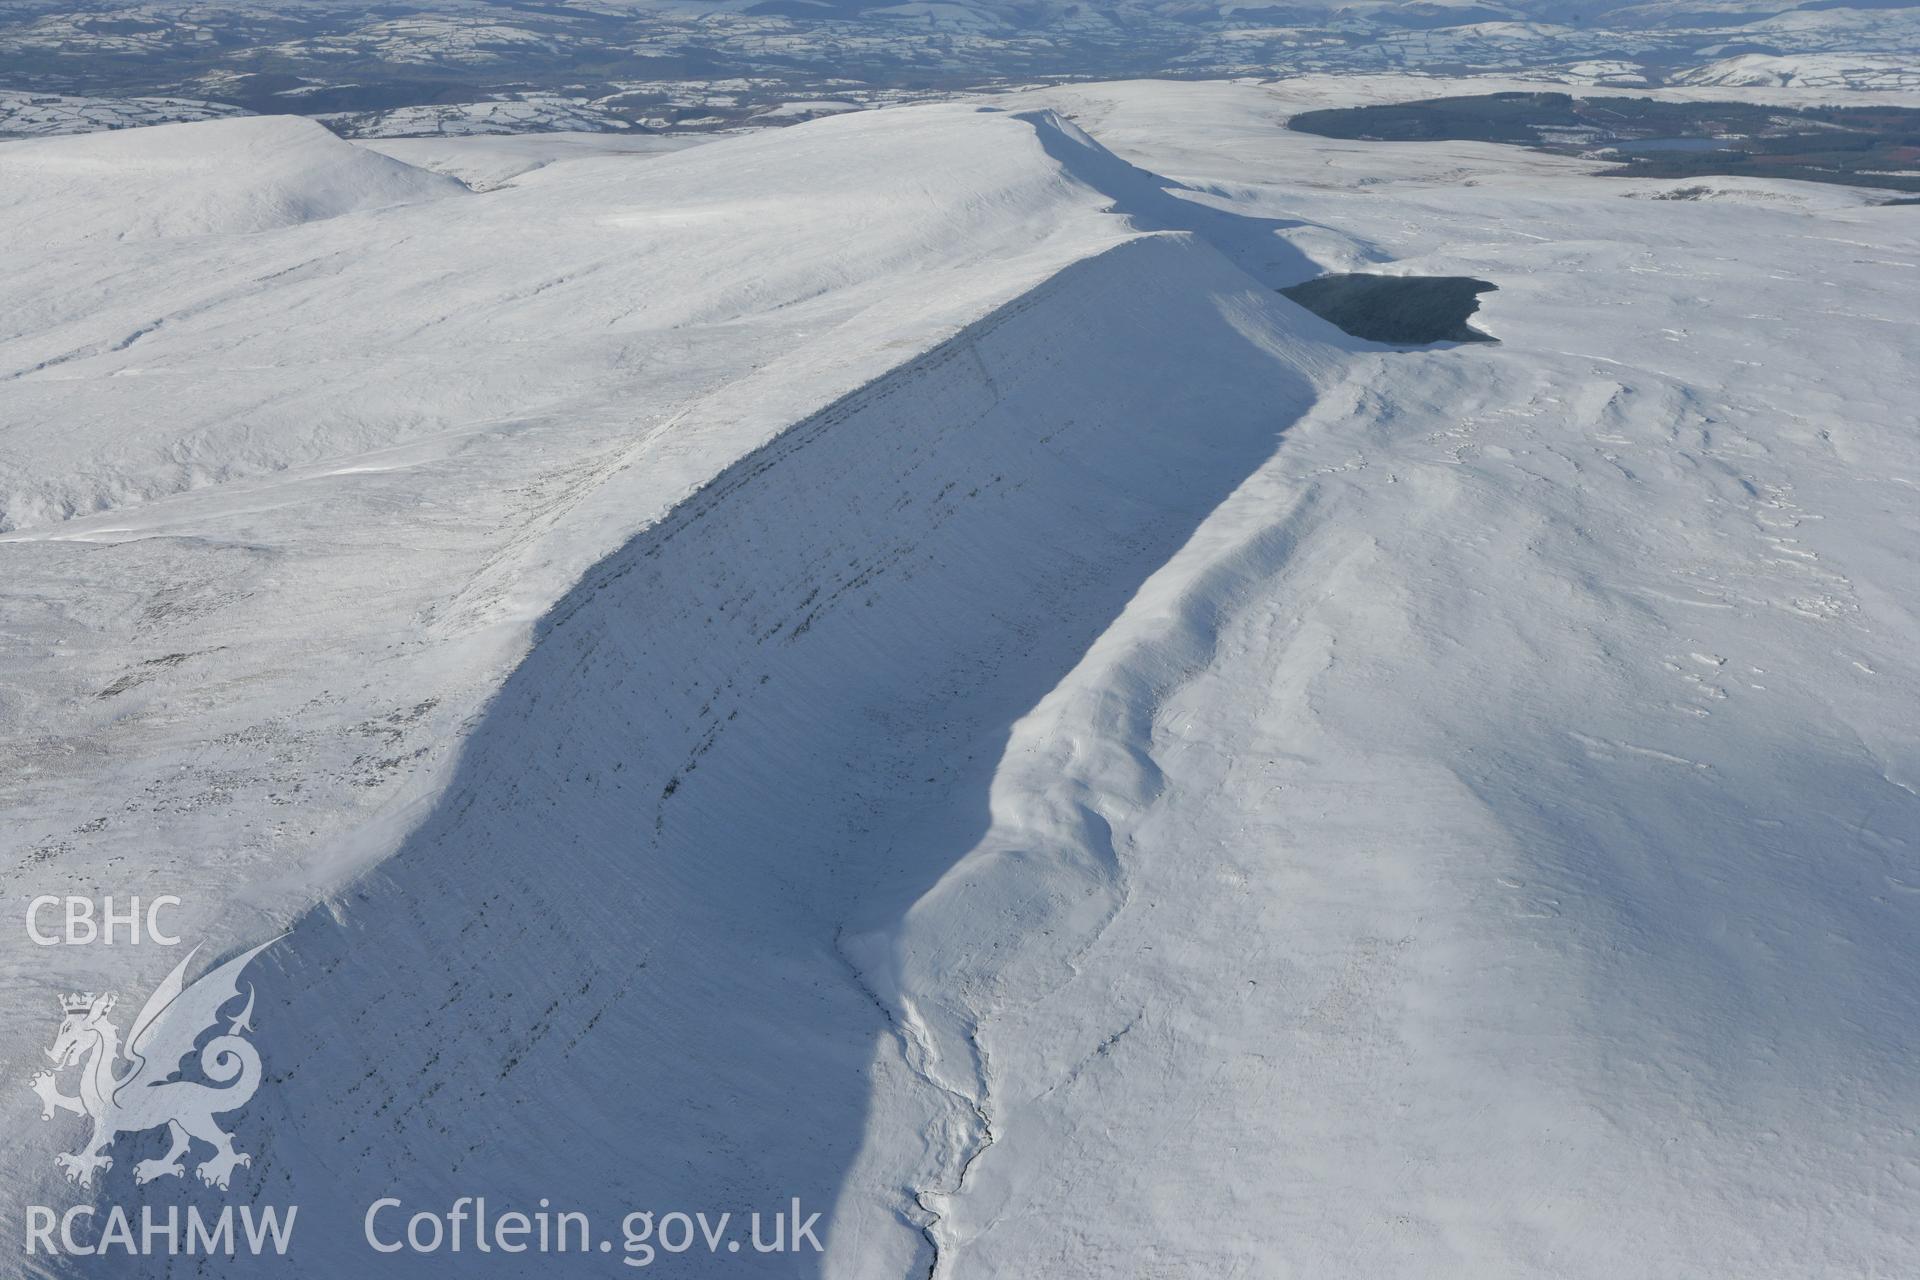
147 1093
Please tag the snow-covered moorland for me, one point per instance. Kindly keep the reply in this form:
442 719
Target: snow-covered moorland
882 662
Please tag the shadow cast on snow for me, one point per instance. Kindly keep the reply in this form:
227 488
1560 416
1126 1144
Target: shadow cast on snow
1252 244
603 973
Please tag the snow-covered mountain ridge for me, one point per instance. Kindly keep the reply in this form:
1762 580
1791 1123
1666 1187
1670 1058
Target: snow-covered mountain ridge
282 646
937 691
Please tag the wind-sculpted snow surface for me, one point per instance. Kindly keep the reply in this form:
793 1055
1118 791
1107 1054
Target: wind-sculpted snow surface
938 692
1511 791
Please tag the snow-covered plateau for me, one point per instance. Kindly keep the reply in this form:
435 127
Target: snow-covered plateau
882 663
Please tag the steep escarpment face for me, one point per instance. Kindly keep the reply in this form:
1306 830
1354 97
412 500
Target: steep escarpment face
648 462
1002 684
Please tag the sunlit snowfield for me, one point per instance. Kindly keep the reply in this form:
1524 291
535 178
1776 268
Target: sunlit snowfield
884 662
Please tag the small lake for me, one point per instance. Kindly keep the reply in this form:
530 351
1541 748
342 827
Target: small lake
1405 311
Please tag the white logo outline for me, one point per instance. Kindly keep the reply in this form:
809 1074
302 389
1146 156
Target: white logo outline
148 1094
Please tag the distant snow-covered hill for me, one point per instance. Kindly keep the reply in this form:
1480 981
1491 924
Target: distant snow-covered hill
219 178
424 68
1809 71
